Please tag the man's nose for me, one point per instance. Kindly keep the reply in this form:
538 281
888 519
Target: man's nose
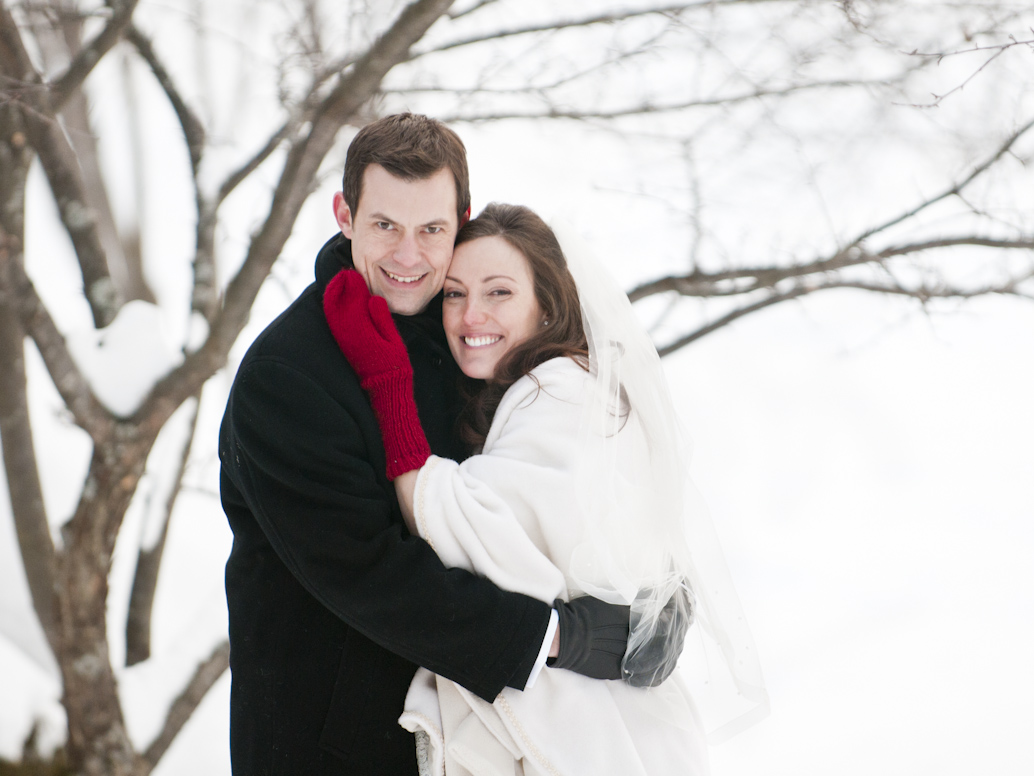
407 250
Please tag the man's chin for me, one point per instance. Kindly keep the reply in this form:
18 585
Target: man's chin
405 304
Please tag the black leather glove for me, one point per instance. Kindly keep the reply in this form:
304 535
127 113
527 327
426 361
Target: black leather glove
653 661
593 637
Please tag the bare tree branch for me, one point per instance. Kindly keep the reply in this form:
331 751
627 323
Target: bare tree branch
997 49
500 34
476 7
205 295
540 89
193 130
671 9
949 242
241 174
23 481
59 164
925 293
957 188
148 564
131 236
123 250
92 53
644 108
15 63
821 275
618 57
75 391
62 170
59 39
734 315
19 454
207 673
921 293
724 282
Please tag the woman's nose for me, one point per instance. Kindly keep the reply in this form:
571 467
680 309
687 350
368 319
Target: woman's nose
473 312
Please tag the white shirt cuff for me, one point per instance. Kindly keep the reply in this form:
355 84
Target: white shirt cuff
554 621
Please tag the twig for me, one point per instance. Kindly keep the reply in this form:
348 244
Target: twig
953 190
92 53
206 675
193 130
645 108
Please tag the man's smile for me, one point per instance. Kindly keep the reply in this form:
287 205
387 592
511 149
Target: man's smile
403 278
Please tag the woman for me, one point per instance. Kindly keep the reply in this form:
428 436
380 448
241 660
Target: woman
577 489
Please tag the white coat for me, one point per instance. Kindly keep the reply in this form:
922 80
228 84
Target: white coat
512 514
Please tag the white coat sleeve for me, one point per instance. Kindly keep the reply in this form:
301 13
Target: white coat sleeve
511 513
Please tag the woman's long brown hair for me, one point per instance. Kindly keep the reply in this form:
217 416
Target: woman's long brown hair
557 296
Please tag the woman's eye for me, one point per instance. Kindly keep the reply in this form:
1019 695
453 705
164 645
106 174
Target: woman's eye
453 294
501 292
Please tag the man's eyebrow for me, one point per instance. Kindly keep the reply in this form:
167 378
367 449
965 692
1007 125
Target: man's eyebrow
439 221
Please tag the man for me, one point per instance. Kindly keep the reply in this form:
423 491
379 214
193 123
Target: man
332 604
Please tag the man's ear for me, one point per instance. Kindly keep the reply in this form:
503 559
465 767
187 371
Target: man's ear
343 214
466 217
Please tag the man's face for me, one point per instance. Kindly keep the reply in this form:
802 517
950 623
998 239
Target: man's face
402 235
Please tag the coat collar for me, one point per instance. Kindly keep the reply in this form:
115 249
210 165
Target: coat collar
334 256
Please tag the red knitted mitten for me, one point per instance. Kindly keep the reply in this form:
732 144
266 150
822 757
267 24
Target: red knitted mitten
362 325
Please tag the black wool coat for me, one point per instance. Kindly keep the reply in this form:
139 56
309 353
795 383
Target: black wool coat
332 604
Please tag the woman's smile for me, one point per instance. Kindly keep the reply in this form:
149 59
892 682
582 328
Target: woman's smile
480 342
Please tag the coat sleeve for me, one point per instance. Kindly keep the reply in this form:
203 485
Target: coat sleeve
300 461
511 513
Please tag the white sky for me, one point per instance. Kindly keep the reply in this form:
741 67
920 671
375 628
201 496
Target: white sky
869 469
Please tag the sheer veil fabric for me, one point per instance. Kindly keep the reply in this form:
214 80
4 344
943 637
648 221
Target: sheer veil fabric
671 568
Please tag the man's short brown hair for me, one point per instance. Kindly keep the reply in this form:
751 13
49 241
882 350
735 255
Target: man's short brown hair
410 147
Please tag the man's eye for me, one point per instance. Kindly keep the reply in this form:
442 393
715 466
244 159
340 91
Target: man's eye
434 229
385 225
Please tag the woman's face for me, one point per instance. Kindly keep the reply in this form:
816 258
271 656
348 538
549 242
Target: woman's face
490 305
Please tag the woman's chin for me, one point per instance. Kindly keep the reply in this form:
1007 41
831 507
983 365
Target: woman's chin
478 369
480 374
